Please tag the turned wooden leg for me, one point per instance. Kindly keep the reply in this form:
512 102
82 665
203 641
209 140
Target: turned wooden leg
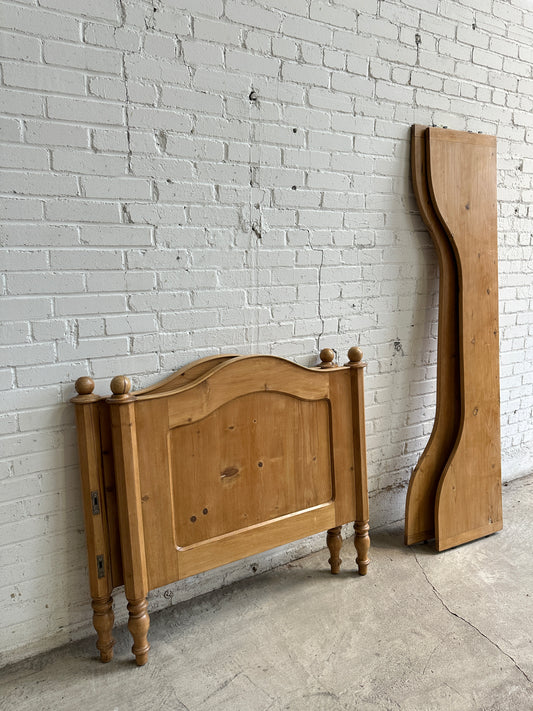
334 541
103 619
362 545
138 625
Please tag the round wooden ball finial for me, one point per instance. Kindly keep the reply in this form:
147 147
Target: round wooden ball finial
84 385
327 356
120 386
84 388
355 355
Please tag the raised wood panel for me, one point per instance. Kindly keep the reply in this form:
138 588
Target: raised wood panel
256 458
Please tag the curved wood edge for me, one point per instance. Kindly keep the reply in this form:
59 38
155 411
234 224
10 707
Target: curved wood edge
185 375
269 362
244 376
420 501
462 182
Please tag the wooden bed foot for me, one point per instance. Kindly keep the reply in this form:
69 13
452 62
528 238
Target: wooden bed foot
334 541
103 619
362 545
138 625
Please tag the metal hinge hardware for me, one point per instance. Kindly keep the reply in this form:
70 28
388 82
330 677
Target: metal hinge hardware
100 566
95 502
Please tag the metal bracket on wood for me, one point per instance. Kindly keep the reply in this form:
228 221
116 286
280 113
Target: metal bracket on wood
95 503
100 567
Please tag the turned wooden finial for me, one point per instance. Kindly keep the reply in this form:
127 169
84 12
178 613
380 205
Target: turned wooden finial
84 385
120 387
355 355
327 356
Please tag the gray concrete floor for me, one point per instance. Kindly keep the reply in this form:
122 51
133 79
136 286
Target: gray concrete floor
422 631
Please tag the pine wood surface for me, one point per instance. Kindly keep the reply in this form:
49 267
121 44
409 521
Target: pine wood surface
228 457
462 181
279 470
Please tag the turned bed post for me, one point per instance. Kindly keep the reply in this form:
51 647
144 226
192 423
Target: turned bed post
92 486
334 541
362 539
333 537
122 406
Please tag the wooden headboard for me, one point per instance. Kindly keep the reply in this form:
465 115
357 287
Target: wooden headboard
228 457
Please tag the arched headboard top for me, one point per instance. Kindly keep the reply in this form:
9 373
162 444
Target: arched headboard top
256 372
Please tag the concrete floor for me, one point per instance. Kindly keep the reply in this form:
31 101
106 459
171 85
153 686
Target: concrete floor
422 631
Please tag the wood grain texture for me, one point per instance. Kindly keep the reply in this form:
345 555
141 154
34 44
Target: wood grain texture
462 182
269 454
422 491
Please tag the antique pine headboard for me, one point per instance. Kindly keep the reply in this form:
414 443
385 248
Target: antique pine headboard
228 457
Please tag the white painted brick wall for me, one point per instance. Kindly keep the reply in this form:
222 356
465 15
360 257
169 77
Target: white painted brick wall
155 211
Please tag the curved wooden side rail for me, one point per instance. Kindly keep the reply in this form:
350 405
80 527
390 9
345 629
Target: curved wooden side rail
422 491
462 182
